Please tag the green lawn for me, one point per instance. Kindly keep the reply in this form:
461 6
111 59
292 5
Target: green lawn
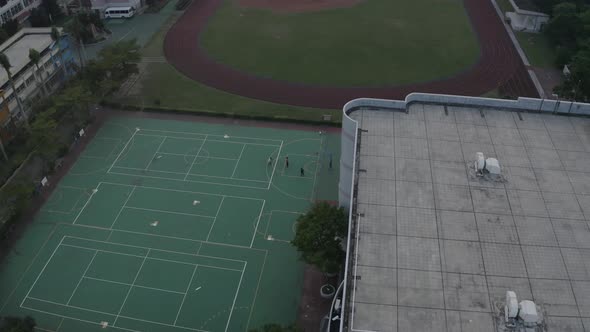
505 6
174 91
537 49
376 43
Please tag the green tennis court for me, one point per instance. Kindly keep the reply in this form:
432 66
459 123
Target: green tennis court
172 226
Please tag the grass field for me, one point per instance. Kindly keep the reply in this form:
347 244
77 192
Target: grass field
376 43
182 93
537 49
171 226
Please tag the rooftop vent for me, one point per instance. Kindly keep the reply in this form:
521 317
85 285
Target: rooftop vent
485 166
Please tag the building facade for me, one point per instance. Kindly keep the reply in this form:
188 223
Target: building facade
16 9
29 79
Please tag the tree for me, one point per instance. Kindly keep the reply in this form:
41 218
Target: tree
11 27
562 28
75 29
121 59
318 236
577 84
35 57
276 328
52 8
16 324
5 63
39 18
44 136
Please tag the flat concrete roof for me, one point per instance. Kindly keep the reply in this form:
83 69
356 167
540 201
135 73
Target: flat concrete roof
439 247
17 49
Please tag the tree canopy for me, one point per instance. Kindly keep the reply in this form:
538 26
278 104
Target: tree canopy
569 31
16 324
318 236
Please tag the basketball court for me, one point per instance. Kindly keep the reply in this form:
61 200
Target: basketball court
172 226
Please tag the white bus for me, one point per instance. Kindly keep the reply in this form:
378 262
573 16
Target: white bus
119 12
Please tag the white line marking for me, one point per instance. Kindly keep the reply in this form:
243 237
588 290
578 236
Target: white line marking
182 173
180 191
193 181
152 258
258 222
236 296
131 287
155 154
139 286
84 206
215 219
171 212
275 166
257 287
82 277
190 133
210 140
195 159
192 155
105 313
76 319
124 147
122 207
237 162
196 289
184 298
155 249
42 270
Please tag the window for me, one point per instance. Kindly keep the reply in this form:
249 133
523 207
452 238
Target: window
29 80
20 88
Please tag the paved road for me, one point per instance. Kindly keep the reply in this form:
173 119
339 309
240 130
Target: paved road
142 27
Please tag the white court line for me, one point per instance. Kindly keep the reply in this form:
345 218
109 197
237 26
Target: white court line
210 140
239 157
315 175
258 222
138 286
85 204
105 313
151 258
215 219
195 159
124 147
76 319
192 155
270 218
130 288
213 135
236 296
182 173
275 166
122 207
28 268
193 181
186 292
180 191
171 212
82 277
42 270
164 236
155 154
156 249
257 287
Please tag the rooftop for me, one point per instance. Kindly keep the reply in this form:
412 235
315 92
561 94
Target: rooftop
439 247
17 48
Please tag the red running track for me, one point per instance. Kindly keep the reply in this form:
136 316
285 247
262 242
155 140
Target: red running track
499 66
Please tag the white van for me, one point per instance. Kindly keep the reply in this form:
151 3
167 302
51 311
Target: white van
119 12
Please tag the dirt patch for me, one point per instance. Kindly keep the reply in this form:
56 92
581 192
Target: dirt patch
549 79
312 306
298 6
